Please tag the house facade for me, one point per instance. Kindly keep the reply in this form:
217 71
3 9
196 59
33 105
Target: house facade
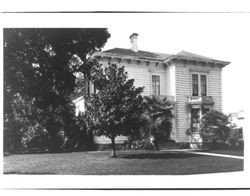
191 81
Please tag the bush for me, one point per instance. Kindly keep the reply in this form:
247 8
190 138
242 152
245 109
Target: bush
234 139
143 144
215 127
184 145
102 147
82 138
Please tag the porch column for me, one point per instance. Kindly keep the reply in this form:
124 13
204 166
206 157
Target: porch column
200 117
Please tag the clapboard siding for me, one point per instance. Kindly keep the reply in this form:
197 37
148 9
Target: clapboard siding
142 74
182 76
175 80
215 87
170 80
183 90
171 90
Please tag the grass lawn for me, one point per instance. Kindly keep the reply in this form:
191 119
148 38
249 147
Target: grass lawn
228 152
127 163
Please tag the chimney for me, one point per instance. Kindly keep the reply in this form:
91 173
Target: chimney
133 40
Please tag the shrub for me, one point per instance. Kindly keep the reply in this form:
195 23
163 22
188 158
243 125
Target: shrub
234 139
215 127
184 145
83 137
143 144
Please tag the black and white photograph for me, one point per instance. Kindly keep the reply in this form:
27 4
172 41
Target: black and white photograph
125 99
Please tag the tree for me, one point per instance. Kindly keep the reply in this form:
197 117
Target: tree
39 65
115 109
215 127
157 116
21 119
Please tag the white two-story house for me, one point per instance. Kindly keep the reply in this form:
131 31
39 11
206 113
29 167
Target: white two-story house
192 81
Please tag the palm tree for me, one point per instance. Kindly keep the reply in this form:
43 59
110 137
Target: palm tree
157 116
215 127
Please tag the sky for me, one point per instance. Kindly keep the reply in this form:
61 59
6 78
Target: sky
220 36
223 36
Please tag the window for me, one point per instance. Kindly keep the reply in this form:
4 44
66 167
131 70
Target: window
89 87
155 85
195 85
199 85
203 85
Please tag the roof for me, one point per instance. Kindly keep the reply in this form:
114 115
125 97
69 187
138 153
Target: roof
192 55
140 54
188 55
159 56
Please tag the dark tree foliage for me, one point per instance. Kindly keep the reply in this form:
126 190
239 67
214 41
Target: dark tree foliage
215 127
116 107
39 67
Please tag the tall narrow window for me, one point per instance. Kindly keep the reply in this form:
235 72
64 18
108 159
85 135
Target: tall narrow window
203 85
195 86
155 85
87 87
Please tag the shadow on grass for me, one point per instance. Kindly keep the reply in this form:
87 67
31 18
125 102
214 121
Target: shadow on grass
29 173
159 155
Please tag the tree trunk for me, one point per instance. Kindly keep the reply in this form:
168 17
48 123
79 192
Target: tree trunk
53 145
113 153
156 143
